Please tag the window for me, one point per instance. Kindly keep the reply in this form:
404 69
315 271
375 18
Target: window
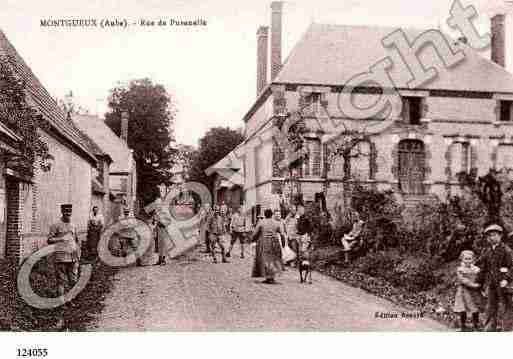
461 160
312 165
505 110
504 157
311 104
412 110
124 184
465 157
360 161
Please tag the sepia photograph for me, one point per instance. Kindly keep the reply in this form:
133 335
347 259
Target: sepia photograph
253 167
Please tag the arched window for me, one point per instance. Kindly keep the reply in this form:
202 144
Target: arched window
360 161
412 158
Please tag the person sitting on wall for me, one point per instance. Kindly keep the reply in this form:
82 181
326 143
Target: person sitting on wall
352 240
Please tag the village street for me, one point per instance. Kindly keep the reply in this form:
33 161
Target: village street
191 293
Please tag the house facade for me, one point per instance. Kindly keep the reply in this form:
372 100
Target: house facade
228 175
122 173
458 120
30 205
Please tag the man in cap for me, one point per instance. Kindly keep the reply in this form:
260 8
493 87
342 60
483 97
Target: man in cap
216 229
67 255
495 261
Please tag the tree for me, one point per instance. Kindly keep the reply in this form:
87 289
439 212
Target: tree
213 146
18 116
489 188
150 112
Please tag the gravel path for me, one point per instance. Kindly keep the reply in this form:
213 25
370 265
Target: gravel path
193 294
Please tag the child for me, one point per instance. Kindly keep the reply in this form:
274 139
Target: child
351 239
467 297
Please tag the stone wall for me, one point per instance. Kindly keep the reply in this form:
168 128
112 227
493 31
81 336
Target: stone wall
458 133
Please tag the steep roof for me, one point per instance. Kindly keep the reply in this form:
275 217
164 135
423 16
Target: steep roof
107 140
333 54
230 167
95 148
39 98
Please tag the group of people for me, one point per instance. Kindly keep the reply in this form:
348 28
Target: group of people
218 222
272 234
70 250
487 277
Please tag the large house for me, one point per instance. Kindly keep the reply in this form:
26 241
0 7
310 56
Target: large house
29 205
121 174
460 119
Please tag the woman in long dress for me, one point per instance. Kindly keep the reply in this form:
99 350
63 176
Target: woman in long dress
268 261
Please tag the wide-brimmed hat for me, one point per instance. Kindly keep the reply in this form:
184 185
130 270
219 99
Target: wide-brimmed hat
493 228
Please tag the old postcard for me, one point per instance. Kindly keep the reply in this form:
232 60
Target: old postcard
291 166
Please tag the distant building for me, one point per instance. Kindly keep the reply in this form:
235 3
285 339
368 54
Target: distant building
122 173
228 181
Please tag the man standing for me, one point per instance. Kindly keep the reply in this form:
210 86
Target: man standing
164 242
237 228
206 212
216 229
67 255
494 263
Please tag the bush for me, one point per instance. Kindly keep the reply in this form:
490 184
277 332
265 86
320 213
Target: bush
412 274
381 213
416 274
379 264
443 230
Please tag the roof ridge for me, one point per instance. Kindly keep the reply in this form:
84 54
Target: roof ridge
373 26
99 120
40 97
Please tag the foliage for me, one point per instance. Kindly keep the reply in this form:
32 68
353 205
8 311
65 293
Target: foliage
150 118
18 116
443 230
213 146
412 273
381 214
416 274
489 189
378 264
16 314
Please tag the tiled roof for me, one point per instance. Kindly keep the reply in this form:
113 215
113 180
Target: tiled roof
333 54
39 98
95 148
107 140
230 167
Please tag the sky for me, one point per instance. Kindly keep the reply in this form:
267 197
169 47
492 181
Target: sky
209 71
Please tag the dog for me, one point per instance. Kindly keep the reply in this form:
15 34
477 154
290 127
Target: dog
304 258
305 271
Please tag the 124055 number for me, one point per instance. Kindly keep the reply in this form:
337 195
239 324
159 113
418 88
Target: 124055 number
32 352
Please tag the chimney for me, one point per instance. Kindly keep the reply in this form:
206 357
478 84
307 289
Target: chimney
498 30
276 14
124 126
262 43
